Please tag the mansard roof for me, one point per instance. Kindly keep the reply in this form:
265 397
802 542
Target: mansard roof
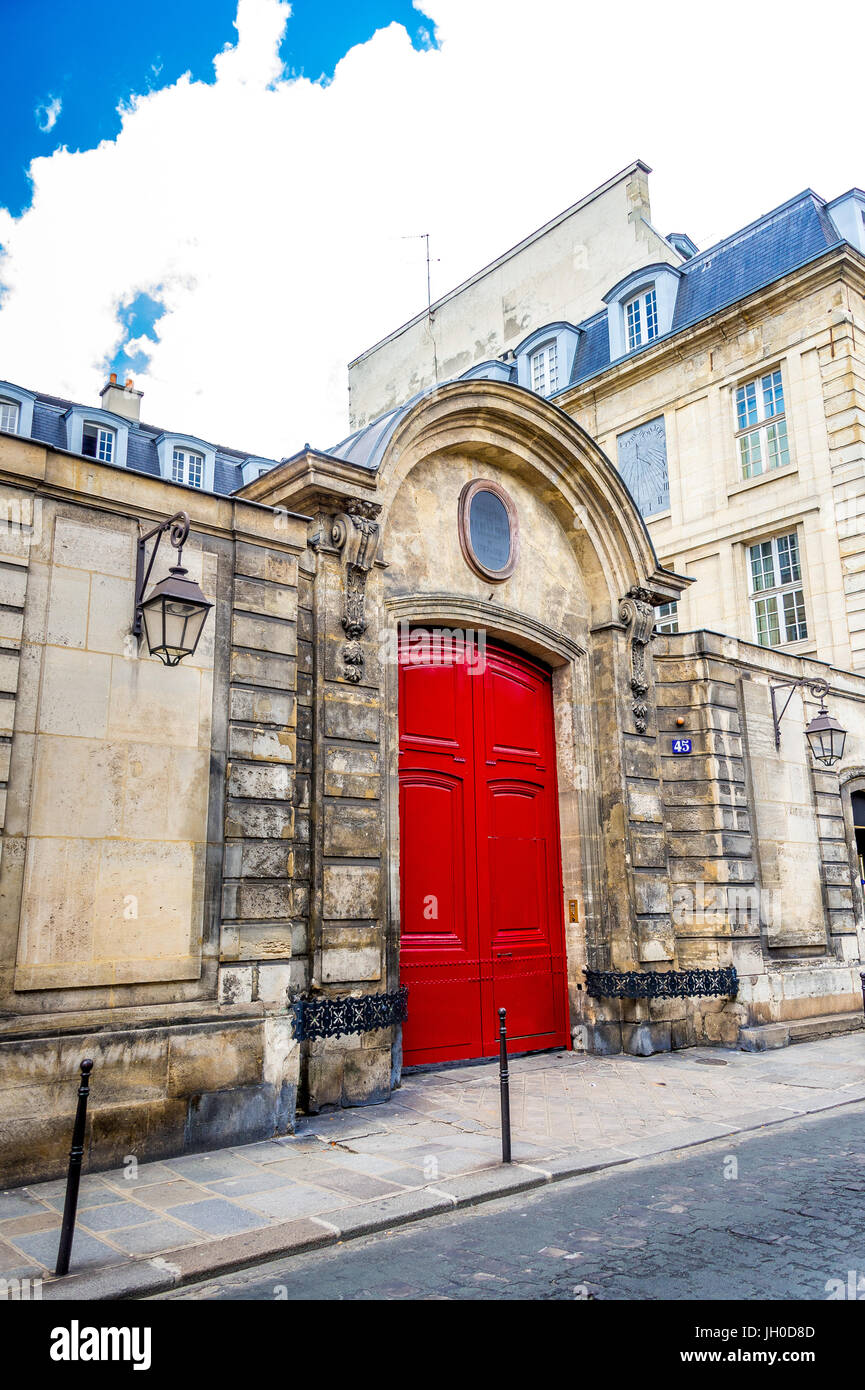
750 260
50 427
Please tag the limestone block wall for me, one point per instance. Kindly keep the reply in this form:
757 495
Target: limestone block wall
347 939
809 326
758 849
148 849
264 907
113 766
637 929
842 379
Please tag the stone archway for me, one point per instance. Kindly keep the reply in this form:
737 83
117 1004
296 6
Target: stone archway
580 599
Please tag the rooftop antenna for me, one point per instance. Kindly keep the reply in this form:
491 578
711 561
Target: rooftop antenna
424 236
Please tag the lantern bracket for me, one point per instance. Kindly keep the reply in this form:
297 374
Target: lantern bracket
177 527
818 687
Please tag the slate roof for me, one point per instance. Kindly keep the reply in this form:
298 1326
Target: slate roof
796 233
751 259
782 241
49 427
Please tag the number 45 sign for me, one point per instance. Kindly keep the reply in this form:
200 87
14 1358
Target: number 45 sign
681 745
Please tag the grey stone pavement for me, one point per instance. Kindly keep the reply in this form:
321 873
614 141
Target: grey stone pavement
774 1213
433 1147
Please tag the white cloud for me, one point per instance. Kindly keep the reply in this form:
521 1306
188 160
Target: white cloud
47 114
269 214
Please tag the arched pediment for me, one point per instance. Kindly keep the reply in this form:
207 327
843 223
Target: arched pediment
520 431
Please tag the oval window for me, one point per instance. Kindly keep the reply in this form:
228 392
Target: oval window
488 530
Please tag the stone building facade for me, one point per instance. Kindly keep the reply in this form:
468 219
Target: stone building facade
725 384
213 875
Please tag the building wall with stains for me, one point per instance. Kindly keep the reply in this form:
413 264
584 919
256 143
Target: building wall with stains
152 889
560 272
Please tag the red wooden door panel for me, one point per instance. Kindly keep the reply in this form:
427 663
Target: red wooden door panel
480 878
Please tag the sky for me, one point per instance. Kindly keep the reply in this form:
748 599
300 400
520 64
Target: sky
228 199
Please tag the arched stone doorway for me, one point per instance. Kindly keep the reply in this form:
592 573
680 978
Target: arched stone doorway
582 550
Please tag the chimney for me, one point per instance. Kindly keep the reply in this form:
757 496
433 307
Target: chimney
122 400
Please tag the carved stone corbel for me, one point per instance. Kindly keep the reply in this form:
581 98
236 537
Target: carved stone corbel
356 534
637 612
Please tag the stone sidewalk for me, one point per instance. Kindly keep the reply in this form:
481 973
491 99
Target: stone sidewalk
433 1147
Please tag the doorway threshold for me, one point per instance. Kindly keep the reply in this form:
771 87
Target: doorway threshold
422 1067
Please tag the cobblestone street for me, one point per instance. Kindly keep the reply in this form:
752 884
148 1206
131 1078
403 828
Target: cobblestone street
776 1214
433 1147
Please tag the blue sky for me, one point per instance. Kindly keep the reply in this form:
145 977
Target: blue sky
90 57
235 239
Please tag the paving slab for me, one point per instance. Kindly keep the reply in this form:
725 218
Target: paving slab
436 1146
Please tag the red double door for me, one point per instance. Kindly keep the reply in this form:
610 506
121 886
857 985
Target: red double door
480 873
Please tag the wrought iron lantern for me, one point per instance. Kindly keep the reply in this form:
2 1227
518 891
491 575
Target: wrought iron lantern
826 737
174 613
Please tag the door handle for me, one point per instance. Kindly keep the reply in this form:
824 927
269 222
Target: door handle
504 953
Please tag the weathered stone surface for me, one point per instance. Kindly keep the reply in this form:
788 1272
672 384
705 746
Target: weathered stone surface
351 772
352 715
352 831
259 781
350 891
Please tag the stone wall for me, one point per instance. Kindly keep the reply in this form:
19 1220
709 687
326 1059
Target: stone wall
758 847
153 880
561 272
347 920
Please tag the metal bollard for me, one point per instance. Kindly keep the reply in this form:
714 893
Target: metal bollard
73 1179
504 1087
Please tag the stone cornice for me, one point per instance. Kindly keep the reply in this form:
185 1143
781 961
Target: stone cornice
55 473
312 481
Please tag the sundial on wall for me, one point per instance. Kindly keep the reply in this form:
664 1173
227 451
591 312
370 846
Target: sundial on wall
642 462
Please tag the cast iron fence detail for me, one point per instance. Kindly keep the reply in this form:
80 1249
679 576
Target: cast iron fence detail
324 1016
73 1179
661 984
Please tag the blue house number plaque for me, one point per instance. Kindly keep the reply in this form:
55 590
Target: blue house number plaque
681 745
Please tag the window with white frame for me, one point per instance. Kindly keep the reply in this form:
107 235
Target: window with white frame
97 442
641 318
187 467
777 597
545 370
667 617
761 425
9 411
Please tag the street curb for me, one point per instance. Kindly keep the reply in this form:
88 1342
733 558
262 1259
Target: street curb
144 1278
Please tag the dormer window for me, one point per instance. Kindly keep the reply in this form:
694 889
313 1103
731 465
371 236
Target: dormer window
9 411
98 442
640 308
187 467
641 317
544 360
545 369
